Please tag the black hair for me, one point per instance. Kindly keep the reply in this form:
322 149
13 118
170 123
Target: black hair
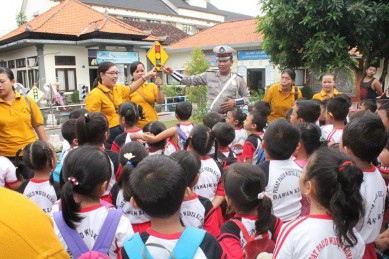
363 113
329 74
224 133
158 185
38 156
155 127
136 149
385 107
281 139
366 137
338 107
288 114
8 72
84 170
134 66
191 164
202 139
239 115
184 110
369 104
103 67
308 110
372 65
131 112
263 106
77 113
91 128
259 119
242 184
124 182
310 136
337 183
69 130
290 72
211 118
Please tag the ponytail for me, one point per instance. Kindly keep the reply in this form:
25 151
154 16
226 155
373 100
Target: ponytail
70 209
266 219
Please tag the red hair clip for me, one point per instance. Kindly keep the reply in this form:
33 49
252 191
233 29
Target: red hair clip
346 163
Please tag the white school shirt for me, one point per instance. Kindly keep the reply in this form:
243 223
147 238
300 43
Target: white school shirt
238 142
334 135
42 193
284 188
313 236
186 128
192 212
7 172
170 147
209 178
135 216
90 225
373 191
129 132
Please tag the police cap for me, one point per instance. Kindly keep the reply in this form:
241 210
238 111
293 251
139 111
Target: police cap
223 52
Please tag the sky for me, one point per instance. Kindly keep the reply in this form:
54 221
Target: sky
248 7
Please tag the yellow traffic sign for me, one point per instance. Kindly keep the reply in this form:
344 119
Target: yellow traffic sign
157 55
35 94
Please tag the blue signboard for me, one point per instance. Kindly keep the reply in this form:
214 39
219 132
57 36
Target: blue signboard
254 54
117 57
211 59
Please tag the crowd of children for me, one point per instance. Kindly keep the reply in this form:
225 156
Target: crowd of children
313 186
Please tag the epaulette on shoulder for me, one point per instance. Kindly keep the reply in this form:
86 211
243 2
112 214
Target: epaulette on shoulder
238 75
211 71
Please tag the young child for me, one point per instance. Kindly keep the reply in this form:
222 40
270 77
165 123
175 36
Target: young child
282 173
236 119
211 118
332 186
383 112
40 157
305 111
209 185
244 186
8 176
337 111
363 140
155 128
224 135
87 171
130 155
195 211
129 113
93 129
263 106
252 149
175 136
158 186
368 104
73 115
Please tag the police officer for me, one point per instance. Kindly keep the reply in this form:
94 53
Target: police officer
226 89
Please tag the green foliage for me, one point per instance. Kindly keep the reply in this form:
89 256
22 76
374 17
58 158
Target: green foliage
320 34
307 92
255 96
197 95
75 97
21 19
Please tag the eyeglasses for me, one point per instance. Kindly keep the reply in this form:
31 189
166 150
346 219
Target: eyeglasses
113 73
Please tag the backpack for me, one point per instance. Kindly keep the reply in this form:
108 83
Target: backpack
57 170
225 161
103 242
186 246
259 151
255 247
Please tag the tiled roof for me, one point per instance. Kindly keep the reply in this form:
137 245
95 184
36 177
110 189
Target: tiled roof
229 33
160 30
74 18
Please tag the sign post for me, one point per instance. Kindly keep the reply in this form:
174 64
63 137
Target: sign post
157 55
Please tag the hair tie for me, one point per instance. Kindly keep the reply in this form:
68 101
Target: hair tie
346 163
128 156
86 115
73 180
262 195
321 140
130 164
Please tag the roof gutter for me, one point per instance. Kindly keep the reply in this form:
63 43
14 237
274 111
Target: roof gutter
237 45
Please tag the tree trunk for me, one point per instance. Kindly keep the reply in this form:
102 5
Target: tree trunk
384 72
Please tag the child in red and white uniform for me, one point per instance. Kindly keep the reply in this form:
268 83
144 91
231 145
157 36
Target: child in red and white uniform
154 128
40 157
8 174
363 140
282 173
195 211
236 119
129 114
252 149
329 230
129 157
88 171
244 188
224 135
336 113
176 136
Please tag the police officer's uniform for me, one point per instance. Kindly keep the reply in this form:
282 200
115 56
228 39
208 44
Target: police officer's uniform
236 89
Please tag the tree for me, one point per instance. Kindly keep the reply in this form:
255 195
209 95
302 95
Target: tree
197 95
320 33
21 19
